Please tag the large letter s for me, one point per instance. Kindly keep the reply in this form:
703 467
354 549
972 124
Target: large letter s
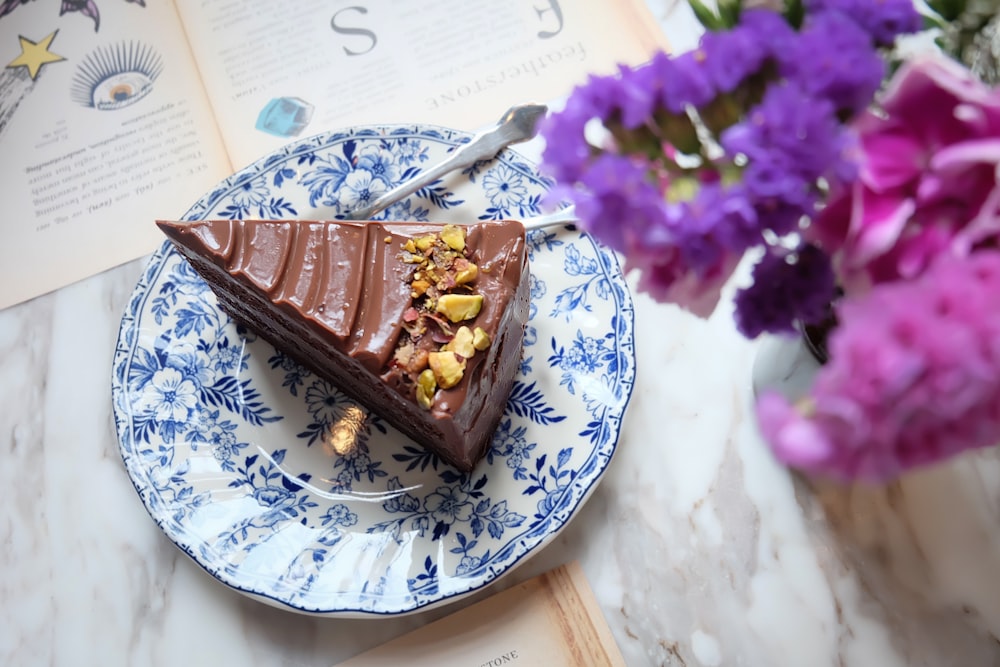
354 31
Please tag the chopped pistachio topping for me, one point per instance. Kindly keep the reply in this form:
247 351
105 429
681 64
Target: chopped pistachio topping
454 237
480 339
442 287
462 343
426 386
448 369
459 307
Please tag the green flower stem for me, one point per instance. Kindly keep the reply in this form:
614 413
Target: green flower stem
679 131
722 112
639 141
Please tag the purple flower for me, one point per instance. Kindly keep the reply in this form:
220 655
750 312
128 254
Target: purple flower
786 290
636 98
617 203
627 99
883 20
678 255
692 229
791 139
739 226
725 59
771 31
719 220
772 180
693 226
720 63
601 96
681 81
684 251
833 59
728 57
779 216
913 377
685 229
798 127
566 151
665 277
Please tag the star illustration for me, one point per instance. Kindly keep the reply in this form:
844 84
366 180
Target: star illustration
35 54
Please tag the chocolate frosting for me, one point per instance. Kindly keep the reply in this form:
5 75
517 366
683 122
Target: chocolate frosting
323 289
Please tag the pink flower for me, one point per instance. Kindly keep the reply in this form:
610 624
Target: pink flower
928 180
665 276
913 377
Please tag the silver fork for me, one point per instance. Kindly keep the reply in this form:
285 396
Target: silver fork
564 216
519 123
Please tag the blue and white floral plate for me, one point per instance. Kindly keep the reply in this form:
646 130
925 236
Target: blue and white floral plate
238 453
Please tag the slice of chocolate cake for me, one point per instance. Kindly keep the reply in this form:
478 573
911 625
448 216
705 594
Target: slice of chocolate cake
422 323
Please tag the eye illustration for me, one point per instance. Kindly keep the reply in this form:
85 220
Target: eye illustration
113 77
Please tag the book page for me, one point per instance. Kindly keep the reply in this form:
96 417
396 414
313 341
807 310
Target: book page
103 128
280 71
552 620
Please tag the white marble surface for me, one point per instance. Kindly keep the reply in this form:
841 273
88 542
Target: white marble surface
701 550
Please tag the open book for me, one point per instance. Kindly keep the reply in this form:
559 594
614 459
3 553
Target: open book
552 620
117 112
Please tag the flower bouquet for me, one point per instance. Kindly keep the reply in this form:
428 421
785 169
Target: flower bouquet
863 187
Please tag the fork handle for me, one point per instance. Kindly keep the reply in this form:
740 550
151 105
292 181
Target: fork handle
483 146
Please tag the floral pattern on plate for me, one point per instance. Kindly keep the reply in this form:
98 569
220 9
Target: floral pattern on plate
283 488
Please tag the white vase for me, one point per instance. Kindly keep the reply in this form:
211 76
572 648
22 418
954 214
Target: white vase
785 364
